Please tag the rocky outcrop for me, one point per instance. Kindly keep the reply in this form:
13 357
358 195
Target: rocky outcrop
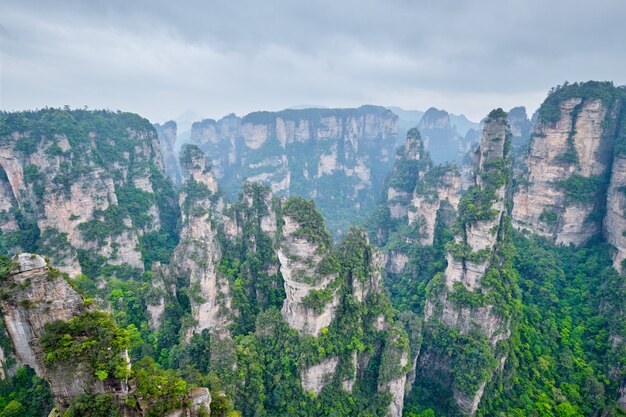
196 257
305 153
167 134
75 178
304 254
34 295
615 219
520 126
394 368
574 157
315 377
470 257
417 194
570 149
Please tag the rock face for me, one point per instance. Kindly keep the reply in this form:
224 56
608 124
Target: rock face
306 153
314 378
304 254
70 182
614 223
393 378
575 155
416 195
167 134
441 139
470 258
196 257
33 296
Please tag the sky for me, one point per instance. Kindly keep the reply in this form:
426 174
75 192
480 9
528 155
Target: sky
164 58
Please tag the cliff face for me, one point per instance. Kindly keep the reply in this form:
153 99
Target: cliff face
80 186
167 134
416 196
306 153
195 260
349 306
457 304
574 157
35 295
441 139
305 255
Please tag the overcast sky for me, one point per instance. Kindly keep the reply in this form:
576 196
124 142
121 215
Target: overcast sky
161 58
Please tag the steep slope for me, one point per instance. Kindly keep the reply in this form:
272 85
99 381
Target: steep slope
86 189
306 153
574 157
195 260
467 310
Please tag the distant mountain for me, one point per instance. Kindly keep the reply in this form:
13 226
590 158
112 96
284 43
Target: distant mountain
337 157
411 118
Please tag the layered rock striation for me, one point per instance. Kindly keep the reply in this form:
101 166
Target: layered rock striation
571 190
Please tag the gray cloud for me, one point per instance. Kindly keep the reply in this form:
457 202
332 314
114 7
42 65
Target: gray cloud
159 58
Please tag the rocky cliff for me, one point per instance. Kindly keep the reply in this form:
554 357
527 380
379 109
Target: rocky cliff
195 260
33 296
569 192
81 187
306 153
464 305
520 126
416 195
306 258
80 351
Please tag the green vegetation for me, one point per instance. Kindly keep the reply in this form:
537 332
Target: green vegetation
310 221
92 339
562 361
563 305
317 299
549 217
550 110
25 395
581 189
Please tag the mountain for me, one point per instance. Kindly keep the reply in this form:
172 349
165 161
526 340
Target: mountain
571 190
442 139
168 136
306 153
80 351
493 281
486 286
87 189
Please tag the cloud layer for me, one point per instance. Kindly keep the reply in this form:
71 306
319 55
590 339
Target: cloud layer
159 58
